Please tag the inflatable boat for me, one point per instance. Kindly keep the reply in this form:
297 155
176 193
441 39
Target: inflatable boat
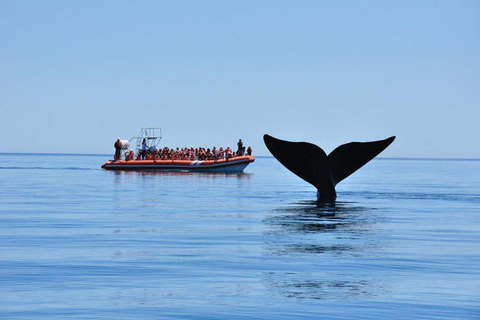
236 164
154 161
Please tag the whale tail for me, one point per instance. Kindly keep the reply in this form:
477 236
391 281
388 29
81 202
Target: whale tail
312 164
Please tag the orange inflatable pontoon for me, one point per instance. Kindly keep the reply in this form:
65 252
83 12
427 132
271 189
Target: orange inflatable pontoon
236 164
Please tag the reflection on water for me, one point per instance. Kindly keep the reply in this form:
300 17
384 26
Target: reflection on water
322 240
312 217
183 174
176 178
321 289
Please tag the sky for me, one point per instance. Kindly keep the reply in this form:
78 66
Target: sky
76 75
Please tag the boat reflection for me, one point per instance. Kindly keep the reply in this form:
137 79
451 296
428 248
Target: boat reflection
239 175
324 248
176 177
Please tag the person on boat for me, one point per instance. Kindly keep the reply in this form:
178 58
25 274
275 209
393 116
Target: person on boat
118 149
144 148
215 153
202 154
209 154
249 151
240 149
221 153
228 153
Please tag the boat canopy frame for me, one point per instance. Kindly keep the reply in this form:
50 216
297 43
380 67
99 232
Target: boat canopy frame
152 137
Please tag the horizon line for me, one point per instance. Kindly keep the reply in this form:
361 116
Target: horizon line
260 156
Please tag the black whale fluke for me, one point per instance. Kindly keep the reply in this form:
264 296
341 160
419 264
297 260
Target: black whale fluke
312 164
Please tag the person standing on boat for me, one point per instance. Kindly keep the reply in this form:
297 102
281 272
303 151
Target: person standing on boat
144 148
118 148
240 149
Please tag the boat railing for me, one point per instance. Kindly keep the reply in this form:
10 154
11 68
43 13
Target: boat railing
152 137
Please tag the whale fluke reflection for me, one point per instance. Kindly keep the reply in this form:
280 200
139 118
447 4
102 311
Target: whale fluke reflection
325 289
313 217
322 246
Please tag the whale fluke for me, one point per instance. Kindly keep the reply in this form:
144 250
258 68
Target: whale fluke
312 164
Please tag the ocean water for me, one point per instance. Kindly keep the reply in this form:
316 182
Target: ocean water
77 242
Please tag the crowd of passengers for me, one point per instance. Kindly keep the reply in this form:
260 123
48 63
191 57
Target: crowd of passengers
188 154
149 153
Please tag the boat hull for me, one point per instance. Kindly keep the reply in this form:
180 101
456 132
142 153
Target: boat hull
237 164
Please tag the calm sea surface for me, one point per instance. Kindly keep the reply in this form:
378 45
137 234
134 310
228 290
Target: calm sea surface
76 241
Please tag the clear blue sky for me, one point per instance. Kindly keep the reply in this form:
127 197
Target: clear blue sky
75 75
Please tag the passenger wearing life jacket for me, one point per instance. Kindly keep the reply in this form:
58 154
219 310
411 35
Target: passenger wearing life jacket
209 154
228 153
129 155
118 148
